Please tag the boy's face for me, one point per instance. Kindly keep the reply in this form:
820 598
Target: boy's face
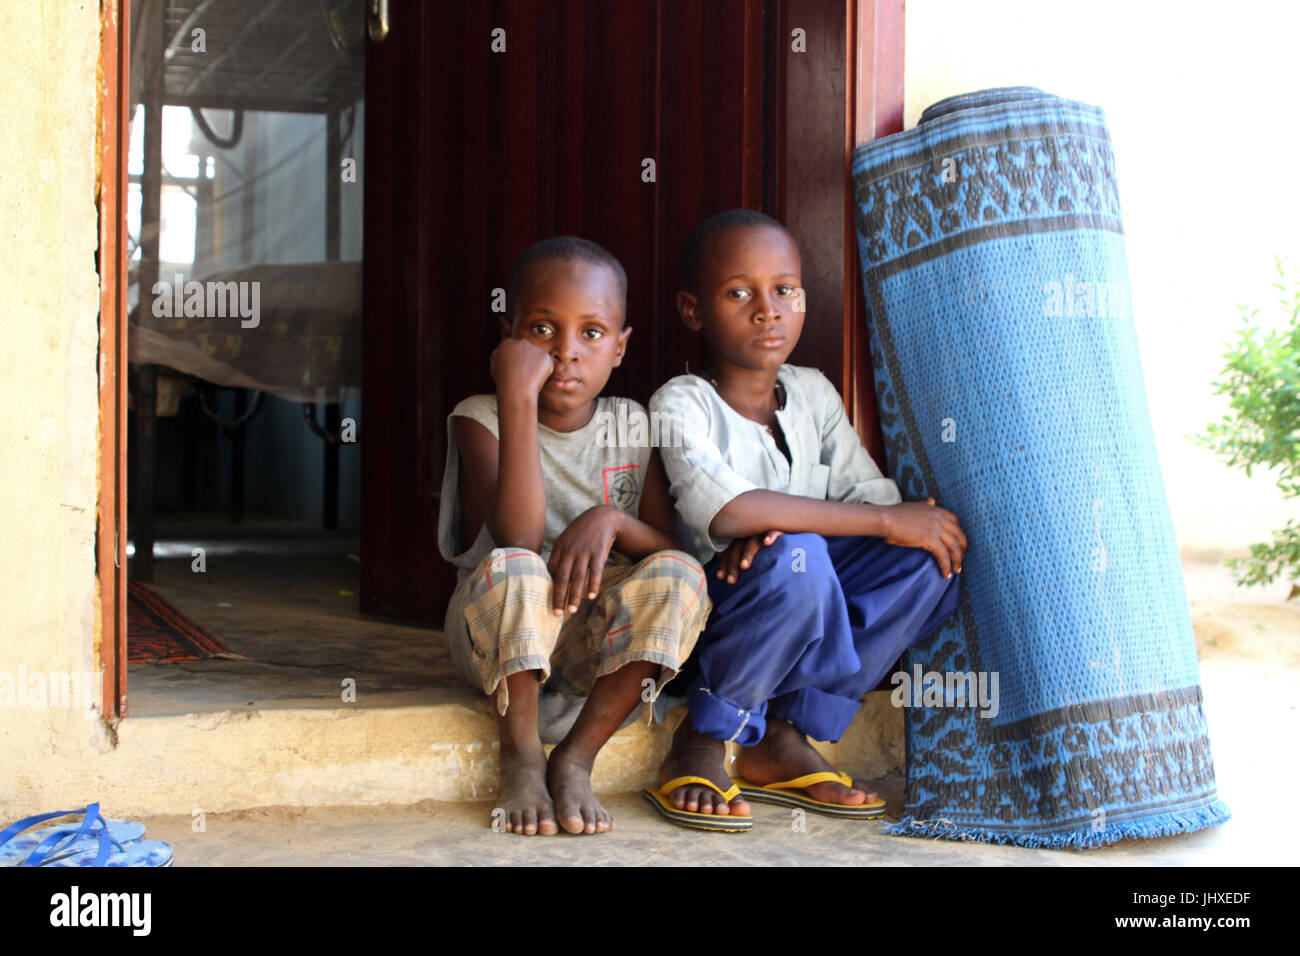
572 310
750 284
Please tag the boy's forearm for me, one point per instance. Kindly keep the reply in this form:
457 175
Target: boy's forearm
636 539
759 511
518 515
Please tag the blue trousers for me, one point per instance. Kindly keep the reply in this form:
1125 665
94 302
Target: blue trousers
811 626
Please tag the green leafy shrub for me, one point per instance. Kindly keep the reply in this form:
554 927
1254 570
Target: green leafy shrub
1262 426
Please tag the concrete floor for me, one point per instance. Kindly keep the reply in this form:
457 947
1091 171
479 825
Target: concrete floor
455 834
283 594
1249 644
1251 777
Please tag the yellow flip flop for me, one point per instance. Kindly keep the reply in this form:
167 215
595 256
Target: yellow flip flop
778 793
726 822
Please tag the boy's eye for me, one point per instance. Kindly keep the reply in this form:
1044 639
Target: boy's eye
593 334
737 293
540 329
786 289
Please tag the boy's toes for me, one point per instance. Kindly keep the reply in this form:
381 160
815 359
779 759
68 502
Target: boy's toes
737 807
704 759
699 800
872 796
831 792
524 807
572 816
837 793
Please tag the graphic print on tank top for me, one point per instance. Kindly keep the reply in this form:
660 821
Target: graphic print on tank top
621 488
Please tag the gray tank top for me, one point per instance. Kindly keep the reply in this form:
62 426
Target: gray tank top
602 463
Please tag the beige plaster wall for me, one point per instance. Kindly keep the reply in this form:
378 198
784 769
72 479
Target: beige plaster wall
1200 101
48 385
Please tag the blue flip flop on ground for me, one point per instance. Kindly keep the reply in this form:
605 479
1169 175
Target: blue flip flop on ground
94 841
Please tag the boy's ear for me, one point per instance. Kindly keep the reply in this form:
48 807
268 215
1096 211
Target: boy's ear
622 345
688 307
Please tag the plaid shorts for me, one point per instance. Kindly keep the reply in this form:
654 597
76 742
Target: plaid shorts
652 611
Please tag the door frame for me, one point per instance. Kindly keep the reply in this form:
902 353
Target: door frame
874 107
855 96
110 512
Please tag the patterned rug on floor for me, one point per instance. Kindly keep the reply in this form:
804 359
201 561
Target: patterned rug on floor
1061 705
156 631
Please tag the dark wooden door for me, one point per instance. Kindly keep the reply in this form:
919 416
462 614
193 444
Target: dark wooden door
473 154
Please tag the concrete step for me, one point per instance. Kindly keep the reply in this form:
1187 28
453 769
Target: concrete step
398 749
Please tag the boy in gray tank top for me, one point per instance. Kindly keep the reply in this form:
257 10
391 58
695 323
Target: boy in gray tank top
555 510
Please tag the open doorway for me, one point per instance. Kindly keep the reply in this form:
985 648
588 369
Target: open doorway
244 293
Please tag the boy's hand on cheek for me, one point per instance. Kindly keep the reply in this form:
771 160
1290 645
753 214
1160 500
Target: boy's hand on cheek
520 367
579 556
740 555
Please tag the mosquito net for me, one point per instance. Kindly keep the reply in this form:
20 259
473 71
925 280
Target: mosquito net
245 203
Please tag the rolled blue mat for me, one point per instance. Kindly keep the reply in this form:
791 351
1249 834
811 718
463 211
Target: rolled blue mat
1061 705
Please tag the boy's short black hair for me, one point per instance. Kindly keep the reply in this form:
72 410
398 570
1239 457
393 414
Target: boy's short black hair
693 248
565 248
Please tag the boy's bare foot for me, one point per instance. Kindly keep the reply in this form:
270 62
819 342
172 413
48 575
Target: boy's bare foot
784 753
694 754
576 806
524 805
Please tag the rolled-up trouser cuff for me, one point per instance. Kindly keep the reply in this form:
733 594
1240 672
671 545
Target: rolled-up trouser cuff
820 715
723 719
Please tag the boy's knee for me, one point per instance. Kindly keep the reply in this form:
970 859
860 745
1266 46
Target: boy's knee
797 567
949 587
802 552
673 564
937 591
934 574
676 579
